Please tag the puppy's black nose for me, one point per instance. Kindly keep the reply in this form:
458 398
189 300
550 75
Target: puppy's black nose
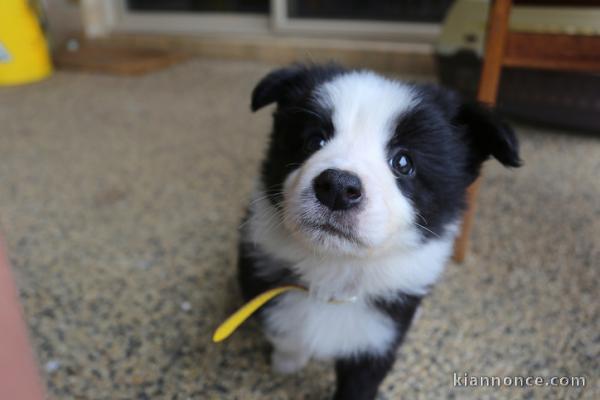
338 190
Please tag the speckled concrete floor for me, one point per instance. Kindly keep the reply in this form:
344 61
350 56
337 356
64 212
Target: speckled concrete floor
120 198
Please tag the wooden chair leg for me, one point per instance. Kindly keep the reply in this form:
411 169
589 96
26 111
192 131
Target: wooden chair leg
462 241
497 31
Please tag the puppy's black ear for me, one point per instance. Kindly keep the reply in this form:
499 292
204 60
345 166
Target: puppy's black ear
487 135
287 85
277 84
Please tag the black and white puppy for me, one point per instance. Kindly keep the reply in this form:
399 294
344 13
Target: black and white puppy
359 201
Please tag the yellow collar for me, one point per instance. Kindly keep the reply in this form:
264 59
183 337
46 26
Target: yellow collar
228 326
236 319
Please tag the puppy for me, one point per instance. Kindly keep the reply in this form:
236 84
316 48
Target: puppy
359 201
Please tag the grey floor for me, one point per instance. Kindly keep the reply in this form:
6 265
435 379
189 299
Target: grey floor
119 201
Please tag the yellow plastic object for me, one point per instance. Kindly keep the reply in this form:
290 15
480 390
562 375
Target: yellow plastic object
237 318
23 48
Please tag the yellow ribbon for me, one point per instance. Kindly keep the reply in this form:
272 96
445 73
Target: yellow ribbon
224 330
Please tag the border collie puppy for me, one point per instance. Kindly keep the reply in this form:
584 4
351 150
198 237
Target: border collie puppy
359 201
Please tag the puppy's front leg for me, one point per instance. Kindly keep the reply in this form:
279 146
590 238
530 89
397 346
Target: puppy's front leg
289 355
358 378
288 361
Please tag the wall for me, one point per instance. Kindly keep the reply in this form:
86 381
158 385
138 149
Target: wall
64 17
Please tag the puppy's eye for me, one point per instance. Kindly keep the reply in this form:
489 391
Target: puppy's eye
314 142
402 164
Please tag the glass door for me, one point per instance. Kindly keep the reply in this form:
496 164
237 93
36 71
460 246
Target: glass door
215 6
410 21
373 10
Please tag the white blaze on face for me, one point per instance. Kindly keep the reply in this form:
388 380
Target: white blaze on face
365 109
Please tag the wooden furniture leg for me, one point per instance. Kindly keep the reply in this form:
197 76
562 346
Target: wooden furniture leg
497 31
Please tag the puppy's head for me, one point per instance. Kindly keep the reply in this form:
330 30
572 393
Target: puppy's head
359 163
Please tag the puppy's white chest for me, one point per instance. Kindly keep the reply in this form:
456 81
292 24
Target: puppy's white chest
299 323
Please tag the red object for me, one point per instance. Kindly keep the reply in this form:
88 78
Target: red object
19 377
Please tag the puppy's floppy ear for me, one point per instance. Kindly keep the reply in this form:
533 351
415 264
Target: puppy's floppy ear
487 135
277 84
286 85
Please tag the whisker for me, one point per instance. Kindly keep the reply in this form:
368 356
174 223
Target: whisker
427 229
423 218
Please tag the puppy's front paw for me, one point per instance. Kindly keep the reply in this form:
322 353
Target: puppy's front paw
287 362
